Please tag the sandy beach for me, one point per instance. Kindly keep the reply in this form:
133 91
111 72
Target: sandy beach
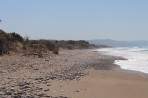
71 74
103 84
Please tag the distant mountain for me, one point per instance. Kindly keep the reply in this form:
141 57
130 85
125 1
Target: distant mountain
115 43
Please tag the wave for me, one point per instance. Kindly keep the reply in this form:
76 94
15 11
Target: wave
137 57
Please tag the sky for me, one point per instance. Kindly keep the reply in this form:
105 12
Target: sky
76 19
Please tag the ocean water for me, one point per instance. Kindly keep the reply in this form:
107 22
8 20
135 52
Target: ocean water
137 57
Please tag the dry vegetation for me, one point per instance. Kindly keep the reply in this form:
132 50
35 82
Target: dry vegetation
15 43
71 44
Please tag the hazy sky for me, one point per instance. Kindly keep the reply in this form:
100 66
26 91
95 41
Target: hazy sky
76 19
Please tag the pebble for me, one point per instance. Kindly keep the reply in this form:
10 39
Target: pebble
69 65
46 90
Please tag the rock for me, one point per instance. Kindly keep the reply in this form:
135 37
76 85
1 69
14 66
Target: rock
20 92
8 93
39 78
77 91
42 95
46 90
16 96
23 83
48 85
2 93
39 88
46 60
3 97
12 89
25 87
36 69
62 97
29 97
62 90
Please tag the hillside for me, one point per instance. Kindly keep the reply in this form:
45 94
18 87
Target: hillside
115 43
12 43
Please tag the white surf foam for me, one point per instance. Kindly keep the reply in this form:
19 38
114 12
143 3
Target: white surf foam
137 58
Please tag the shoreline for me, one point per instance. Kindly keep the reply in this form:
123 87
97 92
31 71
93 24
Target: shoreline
119 69
35 77
129 60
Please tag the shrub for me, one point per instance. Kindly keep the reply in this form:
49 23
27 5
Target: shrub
16 37
50 46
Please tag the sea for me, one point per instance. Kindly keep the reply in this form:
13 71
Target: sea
137 57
